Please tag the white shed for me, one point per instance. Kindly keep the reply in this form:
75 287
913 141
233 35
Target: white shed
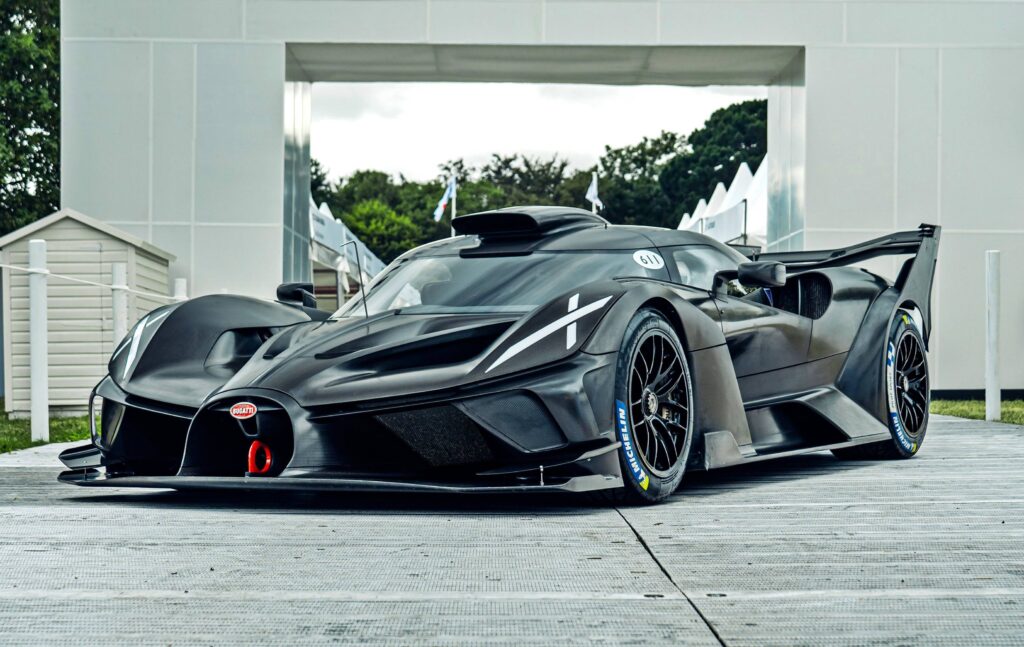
80 326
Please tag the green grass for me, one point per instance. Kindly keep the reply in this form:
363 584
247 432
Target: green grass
1012 410
15 434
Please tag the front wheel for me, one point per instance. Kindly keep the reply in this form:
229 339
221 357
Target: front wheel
907 394
653 408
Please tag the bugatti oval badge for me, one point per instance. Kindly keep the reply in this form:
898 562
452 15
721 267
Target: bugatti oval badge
242 410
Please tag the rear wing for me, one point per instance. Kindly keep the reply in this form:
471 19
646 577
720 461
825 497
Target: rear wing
923 241
914 282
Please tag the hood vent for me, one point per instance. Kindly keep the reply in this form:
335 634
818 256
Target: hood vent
525 222
436 349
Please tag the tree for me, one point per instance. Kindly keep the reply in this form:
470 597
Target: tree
525 180
29 112
381 229
319 185
731 136
363 186
630 187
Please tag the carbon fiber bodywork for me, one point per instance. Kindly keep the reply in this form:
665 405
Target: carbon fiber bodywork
491 401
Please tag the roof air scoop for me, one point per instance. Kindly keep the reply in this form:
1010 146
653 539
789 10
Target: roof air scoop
525 222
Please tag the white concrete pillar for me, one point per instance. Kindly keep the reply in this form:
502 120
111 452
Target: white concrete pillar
39 394
993 401
119 293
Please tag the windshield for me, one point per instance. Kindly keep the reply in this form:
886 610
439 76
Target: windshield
452 284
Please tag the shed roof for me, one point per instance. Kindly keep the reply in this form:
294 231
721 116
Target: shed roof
98 225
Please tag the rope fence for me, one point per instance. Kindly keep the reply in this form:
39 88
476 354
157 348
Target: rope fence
74 279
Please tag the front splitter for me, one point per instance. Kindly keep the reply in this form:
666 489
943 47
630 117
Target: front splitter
96 478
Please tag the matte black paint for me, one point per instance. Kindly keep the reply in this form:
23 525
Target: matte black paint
421 401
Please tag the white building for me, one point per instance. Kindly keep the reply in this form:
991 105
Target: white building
187 123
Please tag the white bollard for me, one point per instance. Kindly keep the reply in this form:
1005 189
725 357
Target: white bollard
993 403
39 394
119 294
180 290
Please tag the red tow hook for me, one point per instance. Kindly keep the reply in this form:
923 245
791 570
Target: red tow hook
257 450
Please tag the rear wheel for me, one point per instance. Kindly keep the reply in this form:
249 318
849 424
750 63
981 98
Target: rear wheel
907 395
653 408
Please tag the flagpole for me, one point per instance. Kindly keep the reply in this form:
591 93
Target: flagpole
455 199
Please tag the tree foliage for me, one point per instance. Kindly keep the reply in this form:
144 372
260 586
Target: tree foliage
387 233
731 136
652 182
29 112
319 183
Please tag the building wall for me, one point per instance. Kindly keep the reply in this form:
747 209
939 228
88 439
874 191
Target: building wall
171 129
926 132
898 112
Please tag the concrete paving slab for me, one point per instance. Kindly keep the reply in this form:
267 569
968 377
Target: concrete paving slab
41 456
808 550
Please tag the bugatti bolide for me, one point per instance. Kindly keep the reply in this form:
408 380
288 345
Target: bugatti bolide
541 349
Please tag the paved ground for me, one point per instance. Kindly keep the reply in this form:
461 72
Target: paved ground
807 551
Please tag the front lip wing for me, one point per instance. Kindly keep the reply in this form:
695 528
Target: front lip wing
96 478
88 469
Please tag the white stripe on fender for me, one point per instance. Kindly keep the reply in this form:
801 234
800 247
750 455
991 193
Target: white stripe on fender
136 338
570 331
552 327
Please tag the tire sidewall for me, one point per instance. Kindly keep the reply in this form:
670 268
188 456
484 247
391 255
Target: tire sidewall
637 479
906 444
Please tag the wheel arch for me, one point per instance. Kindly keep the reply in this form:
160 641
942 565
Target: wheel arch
662 306
915 312
695 328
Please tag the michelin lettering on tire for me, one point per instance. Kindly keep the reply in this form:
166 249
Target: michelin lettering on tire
626 438
902 437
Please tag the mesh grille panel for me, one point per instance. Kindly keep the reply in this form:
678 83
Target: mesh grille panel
442 435
817 294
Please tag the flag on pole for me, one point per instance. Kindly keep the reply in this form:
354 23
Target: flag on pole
449 194
592 194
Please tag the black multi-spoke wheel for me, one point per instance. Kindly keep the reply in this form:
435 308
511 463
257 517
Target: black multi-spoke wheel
659 406
906 393
654 404
910 375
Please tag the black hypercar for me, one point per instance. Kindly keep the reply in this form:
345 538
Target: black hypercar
541 349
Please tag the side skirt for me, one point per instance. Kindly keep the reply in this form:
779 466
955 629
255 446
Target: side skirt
848 425
721 449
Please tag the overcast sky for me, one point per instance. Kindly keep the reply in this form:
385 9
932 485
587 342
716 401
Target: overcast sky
411 128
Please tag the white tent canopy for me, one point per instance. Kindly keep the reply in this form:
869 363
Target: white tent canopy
738 213
716 200
738 187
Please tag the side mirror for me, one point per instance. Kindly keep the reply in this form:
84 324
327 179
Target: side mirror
762 274
296 294
756 274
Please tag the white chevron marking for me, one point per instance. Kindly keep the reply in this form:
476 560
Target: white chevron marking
552 327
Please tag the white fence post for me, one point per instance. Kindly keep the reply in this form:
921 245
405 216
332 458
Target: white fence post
993 404
180 290
39 394
119 298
